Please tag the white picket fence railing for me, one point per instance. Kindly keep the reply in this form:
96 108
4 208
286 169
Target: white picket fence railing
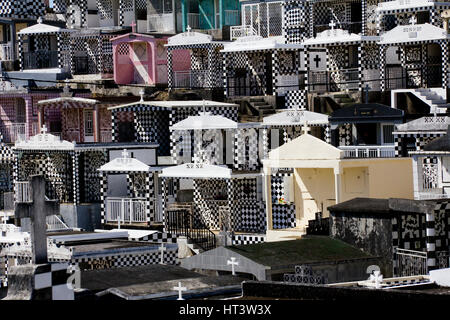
54 223
242 31
368 151
22 190
6 51
126 210
410 262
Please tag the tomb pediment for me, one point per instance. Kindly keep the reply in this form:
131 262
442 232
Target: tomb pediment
296 117
44 141
190 37
205 121
414 33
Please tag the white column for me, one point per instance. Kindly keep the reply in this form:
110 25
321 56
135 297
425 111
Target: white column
337 185
268 196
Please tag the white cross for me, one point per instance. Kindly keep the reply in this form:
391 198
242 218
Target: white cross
39 20
306 129
413 20
233 263
188 29
125 154
332 24
162 249
141 93
377 278
204 106
44 129
180 289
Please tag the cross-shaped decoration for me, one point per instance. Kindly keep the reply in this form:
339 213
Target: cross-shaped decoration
188 29
125 154
133 26
141 93
39 20
413 20
44 129
367 88
204 106
377 278
233 263
162 249
180 289
317 60
399 53
37 210
332 24
306 129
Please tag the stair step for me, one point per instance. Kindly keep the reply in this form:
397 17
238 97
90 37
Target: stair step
259 103
337 96
264 107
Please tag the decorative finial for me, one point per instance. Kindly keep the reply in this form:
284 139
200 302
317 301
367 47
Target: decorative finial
376 278
413 20
125 154
332 25
306 129
39 20
204 106
44 129
188 29
141 93
133 26
180 289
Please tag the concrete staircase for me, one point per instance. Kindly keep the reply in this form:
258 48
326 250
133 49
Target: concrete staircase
343 99
435 98
260 106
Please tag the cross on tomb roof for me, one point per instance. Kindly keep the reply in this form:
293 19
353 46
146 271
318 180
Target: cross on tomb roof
188 29
44 129
133 26
37 210
141 93
233 263
332 24
413 20
180 289
125 154
376 278
306 129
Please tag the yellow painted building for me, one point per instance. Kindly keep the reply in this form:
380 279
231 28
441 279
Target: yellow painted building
322 177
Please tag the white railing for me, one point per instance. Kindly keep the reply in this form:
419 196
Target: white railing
54 223
14 132
242 31
350 79
411 263
162 22
232 17
194 20
22 191
431 194
368 151
191 79
105 136
126 210
6 51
